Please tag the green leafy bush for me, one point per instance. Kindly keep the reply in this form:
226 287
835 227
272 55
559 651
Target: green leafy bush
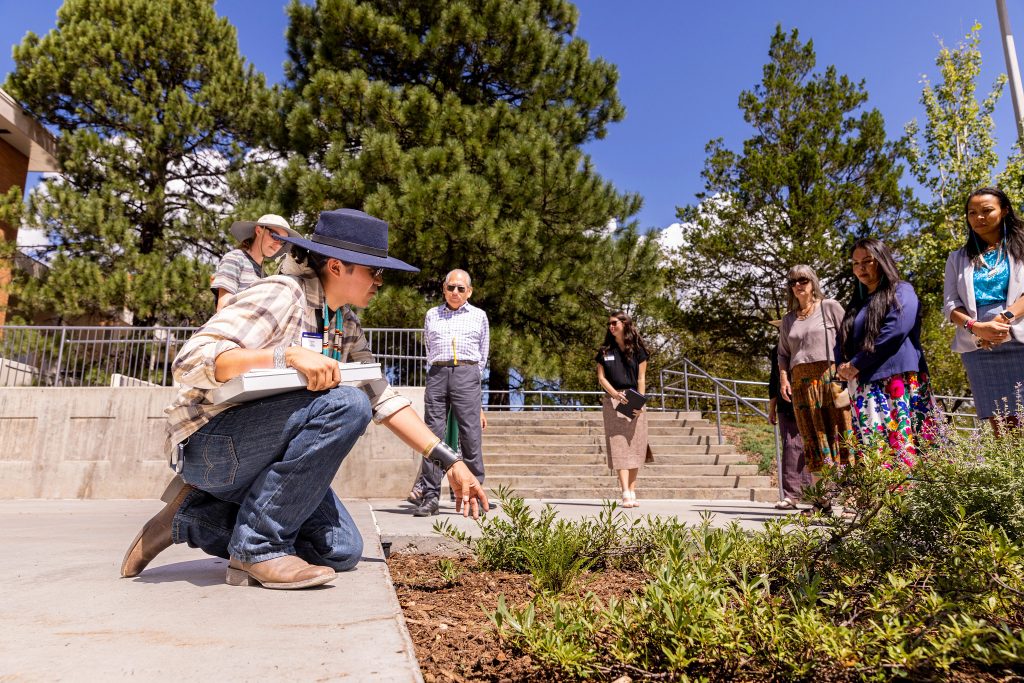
526 542
925 579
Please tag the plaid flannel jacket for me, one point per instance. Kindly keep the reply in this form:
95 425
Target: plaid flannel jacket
273 312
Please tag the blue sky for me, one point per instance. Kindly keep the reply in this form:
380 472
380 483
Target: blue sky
682 65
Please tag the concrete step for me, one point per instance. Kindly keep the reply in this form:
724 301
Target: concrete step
648 481
592 430
593 469
555 451
548 460
584 440
590 415
759 494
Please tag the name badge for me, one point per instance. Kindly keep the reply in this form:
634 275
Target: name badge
609 358
313 341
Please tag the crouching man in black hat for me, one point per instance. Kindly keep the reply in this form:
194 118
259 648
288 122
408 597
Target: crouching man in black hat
255 484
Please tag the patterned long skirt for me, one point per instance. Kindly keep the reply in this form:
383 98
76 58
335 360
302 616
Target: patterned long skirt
823 426
898 411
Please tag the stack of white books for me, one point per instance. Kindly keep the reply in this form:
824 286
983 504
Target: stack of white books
269 382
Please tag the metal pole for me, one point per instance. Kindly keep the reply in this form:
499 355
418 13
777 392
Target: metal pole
662 379
718 415
167 355
60 357
686 385
778 456
1012 68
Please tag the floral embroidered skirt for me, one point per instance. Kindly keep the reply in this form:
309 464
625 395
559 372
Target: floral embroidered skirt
899 410
823 426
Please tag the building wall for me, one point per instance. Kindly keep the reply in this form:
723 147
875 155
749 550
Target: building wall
98 442
13 171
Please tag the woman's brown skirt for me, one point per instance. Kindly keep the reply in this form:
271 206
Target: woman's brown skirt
824 427
625 439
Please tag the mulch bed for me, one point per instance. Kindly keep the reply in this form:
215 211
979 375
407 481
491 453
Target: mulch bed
454 639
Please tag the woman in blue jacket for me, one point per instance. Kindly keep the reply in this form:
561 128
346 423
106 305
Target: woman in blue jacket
984 298
880 346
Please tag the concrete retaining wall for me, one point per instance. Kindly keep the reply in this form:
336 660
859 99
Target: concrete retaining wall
102 442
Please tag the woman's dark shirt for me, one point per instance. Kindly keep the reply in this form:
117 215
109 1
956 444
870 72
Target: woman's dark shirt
620 370
898 344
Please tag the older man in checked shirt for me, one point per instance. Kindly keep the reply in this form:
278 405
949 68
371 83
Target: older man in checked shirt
457 337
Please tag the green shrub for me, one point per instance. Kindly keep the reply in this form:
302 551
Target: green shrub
521 541
926 578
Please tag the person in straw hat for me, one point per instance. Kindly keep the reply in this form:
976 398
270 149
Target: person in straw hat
254 482
242 267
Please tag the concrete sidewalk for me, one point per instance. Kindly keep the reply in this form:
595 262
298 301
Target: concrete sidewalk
68 616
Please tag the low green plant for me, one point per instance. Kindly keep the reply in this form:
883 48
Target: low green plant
521 540
555 558
924 580
449 571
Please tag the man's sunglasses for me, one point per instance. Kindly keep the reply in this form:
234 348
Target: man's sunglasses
799 281
452 288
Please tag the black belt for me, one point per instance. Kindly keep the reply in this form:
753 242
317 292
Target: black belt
452 364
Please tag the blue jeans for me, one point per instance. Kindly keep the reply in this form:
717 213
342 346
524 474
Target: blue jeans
263 471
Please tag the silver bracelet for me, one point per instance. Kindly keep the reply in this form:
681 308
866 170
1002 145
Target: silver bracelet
280 362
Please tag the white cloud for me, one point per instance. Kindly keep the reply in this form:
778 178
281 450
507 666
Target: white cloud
671 238
31 238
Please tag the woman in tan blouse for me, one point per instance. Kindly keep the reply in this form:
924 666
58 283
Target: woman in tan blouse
806 347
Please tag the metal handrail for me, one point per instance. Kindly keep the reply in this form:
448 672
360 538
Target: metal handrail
720 386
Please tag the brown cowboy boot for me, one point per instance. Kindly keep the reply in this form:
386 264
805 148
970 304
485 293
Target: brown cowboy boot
155 536
287 572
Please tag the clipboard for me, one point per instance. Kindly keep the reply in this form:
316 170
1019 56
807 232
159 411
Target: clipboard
256 384
634 402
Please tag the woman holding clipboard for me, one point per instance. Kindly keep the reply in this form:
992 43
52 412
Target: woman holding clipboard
621 367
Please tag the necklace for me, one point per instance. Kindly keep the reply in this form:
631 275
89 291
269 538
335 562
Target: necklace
805 313
332 338
998 248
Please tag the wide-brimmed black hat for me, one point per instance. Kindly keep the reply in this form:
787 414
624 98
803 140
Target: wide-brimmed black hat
353 237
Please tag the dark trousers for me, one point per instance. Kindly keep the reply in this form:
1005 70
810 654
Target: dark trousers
794 475
458 388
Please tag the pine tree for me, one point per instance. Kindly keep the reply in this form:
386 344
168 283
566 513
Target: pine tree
154 106
817 173
461 124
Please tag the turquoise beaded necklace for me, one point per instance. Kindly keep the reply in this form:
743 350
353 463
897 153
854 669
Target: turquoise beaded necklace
332 338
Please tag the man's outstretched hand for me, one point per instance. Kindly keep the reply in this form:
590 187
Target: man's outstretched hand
470 498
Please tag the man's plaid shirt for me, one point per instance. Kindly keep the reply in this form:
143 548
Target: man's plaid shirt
273 312
462 334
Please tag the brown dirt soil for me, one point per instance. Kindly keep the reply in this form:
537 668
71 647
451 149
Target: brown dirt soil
454 639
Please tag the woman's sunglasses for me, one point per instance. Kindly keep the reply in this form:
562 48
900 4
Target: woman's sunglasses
799 281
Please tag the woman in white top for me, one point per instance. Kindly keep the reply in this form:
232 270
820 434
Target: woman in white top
982 291
806 346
